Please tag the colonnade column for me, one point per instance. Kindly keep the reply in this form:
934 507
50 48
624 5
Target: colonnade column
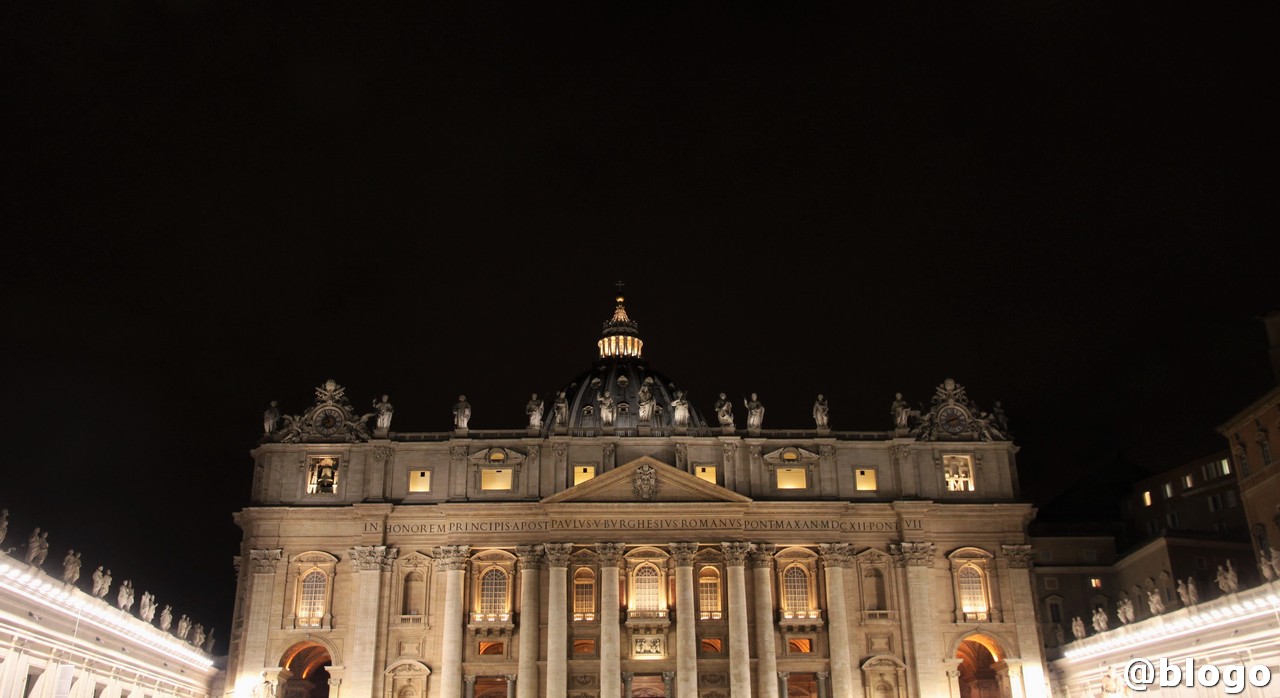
735 558
917 558
782 681
511 685
686 634
469 686
557 619
260 579
610 555
1022 582
626 683
370 564
451 560
835 558
822 683
529 558
767 667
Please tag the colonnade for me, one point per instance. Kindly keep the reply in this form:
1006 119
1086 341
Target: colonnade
615 683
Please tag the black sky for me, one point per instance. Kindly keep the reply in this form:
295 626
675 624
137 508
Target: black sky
211 205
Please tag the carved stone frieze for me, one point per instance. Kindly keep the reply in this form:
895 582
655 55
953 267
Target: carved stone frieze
264 561
913 554
457 454
1019 556
558 554
382 453
682 553
644 482
735 553
610 554
836 554
529 557
560 449
372 557
452 557
762 555
682 456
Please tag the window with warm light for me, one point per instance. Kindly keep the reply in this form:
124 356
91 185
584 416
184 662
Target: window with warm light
491 648
495 478
322 474
1168 490
791 478
711 645
582 473
1188 481
584 595
1225 465
419 481
795 589
709 594
865 479
1095 582
973 593
1146 498
493 592
647 588
584 646
958 471
706 472
311 599
799 645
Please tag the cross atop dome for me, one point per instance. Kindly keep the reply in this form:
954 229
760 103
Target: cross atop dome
621 333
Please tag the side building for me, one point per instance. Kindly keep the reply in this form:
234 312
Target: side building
618 544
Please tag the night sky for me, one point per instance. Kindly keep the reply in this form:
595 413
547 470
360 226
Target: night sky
211 205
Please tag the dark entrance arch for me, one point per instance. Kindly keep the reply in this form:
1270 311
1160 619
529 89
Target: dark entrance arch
305 673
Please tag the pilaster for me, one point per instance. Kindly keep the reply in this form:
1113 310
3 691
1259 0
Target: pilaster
529 558
451 560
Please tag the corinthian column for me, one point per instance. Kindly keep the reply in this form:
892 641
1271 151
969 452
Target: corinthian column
530 560
557 620
1024 604
835 558
610 642
735 558
451 560
686 634
369 563
767 668
260 579
917 558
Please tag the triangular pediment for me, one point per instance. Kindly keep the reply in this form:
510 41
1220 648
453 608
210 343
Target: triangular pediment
632 482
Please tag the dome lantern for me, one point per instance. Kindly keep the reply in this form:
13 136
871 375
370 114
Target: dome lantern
621 336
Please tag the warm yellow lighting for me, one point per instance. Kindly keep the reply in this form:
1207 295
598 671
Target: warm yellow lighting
582 473
495 479
792 479
866 480
1146 498
420 481
706 472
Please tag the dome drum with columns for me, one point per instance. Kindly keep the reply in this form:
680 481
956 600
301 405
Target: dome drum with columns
630 548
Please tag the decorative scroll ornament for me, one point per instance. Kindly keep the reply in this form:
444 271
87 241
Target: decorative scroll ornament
913 554
264 561
610 554
644 482
558 554
529 557
735 554
381 453
330 419
373 557
762 555
682 553
452 557
953 416
1019 556
836 554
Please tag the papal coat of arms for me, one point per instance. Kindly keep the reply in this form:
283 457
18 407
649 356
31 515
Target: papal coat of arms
644 482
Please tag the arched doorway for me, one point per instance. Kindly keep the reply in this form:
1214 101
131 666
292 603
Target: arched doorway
305 672
983 672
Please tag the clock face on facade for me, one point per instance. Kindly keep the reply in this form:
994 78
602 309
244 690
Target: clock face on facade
327 421
952 420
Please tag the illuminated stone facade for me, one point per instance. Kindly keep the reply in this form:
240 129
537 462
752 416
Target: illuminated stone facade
620 545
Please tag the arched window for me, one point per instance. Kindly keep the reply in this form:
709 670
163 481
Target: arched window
647 588
584 594
415 586
795 589
709 593
493 591
973 592
873 586
311 599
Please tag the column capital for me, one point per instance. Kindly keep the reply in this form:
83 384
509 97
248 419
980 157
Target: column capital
913 554
784 675
452 557
509 677
558 554
610 554
627 676
823 675
469 679
682 553
836 554
735 553
1019 556
762 555
372 558
264 561
529 557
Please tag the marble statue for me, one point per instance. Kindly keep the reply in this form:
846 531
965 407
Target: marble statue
1182 593
562 409
208 641
534 410
1155 602
71 567
1124 611
724 411
1233 579
461 413
646 400
98 576
680 409
1193 593
37 547
384 409
1275 561
604 403
820 412
755 412
124 599
147 606
1099 620
266 689
184 627
1077 628
4 524
900 410
197 635
270 418
999 418
166 617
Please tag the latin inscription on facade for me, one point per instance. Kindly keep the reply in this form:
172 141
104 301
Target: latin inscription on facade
599 524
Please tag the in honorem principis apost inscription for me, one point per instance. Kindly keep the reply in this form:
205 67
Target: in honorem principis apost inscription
599 524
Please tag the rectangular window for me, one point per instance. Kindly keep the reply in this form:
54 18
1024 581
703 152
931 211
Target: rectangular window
1146 498
792 479
1215 503
582 473
866 480
322 474
1168 490
491 648
1225 464
1231 498
584 646
712 645
1188 481
959 473
1095 582
419 480
495 478
706 472
1050 583
799 645
1055 611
